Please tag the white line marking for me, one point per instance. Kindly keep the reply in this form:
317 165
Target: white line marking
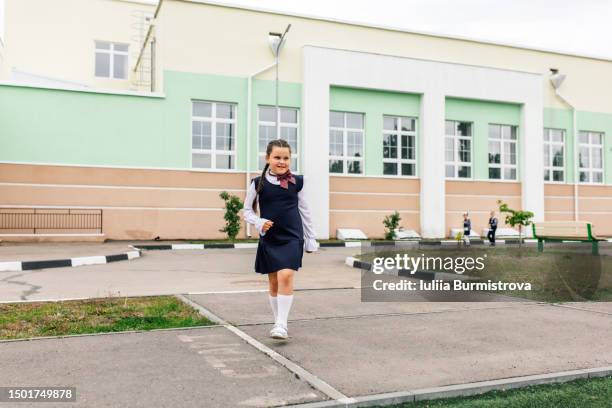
105 187
349 260
133 254
219 292
245 245
187 246
290 365
109 207
88 260
10 266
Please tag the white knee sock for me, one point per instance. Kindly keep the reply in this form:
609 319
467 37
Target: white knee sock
284 305
274 305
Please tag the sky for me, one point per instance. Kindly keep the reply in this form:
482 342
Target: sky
570 26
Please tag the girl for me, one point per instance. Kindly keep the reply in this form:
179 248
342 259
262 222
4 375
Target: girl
285 229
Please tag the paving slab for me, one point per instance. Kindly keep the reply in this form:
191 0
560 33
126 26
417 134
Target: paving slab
380 354
208 367
254 308
171 272
601 307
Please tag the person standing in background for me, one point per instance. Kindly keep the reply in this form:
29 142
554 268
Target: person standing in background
492 228
467 228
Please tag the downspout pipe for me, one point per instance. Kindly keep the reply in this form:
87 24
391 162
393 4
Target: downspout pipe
247 173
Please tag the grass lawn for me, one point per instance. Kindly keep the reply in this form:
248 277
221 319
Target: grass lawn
587 393
112 314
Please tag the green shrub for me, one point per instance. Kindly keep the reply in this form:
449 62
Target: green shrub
391 223
233 205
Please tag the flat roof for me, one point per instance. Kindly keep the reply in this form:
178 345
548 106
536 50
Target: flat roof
229 4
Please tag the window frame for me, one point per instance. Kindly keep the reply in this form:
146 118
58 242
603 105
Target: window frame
295 153
112 52
590 170
548 145
501 166
213 151
456 163
344 158
398 160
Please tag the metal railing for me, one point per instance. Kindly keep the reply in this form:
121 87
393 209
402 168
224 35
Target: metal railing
36 219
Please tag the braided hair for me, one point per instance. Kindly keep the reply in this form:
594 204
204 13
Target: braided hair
271 145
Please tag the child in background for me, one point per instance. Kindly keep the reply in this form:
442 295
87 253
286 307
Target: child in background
467 228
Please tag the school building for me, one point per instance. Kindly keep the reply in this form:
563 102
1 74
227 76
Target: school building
126 119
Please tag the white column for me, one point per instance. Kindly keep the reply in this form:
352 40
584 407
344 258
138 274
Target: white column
431 159
532 160
315 145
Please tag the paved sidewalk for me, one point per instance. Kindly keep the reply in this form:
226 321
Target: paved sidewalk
172 272
45 251
207 367
358 349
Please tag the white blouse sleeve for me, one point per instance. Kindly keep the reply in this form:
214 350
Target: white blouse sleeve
249 215
310 242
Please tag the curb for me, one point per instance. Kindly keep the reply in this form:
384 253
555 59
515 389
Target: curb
71 262
238 245
463 390
346 244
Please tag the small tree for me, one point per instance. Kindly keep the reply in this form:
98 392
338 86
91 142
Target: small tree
516 218
391 223
232 220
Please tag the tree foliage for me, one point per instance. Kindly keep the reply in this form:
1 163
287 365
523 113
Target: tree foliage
391 223
233 205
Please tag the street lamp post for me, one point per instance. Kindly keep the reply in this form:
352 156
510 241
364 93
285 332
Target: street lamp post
276 41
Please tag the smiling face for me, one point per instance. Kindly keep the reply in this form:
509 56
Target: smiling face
279 160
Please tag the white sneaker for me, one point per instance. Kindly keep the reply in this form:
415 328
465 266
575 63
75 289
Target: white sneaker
279 332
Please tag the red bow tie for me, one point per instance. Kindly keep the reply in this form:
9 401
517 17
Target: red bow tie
285 179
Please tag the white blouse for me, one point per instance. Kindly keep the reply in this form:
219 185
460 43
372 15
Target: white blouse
310 243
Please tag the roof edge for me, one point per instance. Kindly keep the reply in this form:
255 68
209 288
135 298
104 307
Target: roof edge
397 29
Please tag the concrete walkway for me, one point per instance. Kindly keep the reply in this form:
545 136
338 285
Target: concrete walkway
356 349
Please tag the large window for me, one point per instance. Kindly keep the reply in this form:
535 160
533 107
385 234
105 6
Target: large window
288 130
399 146
554 155
502 152
458 149
346 142
591 157
111 60
213 135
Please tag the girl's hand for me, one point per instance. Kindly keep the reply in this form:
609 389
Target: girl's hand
267 225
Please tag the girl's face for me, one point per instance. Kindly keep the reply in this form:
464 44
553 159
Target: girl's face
279 160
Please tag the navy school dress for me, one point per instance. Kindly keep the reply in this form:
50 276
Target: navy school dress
282 246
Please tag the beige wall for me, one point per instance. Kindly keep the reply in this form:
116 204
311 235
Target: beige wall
363 203
136 204
56 38
478 198
244 49
594 205
58 41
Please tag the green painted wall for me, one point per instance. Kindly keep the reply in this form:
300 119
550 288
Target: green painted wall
375 104
51 126
66 127
587 121
481 113
562 119
263 93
